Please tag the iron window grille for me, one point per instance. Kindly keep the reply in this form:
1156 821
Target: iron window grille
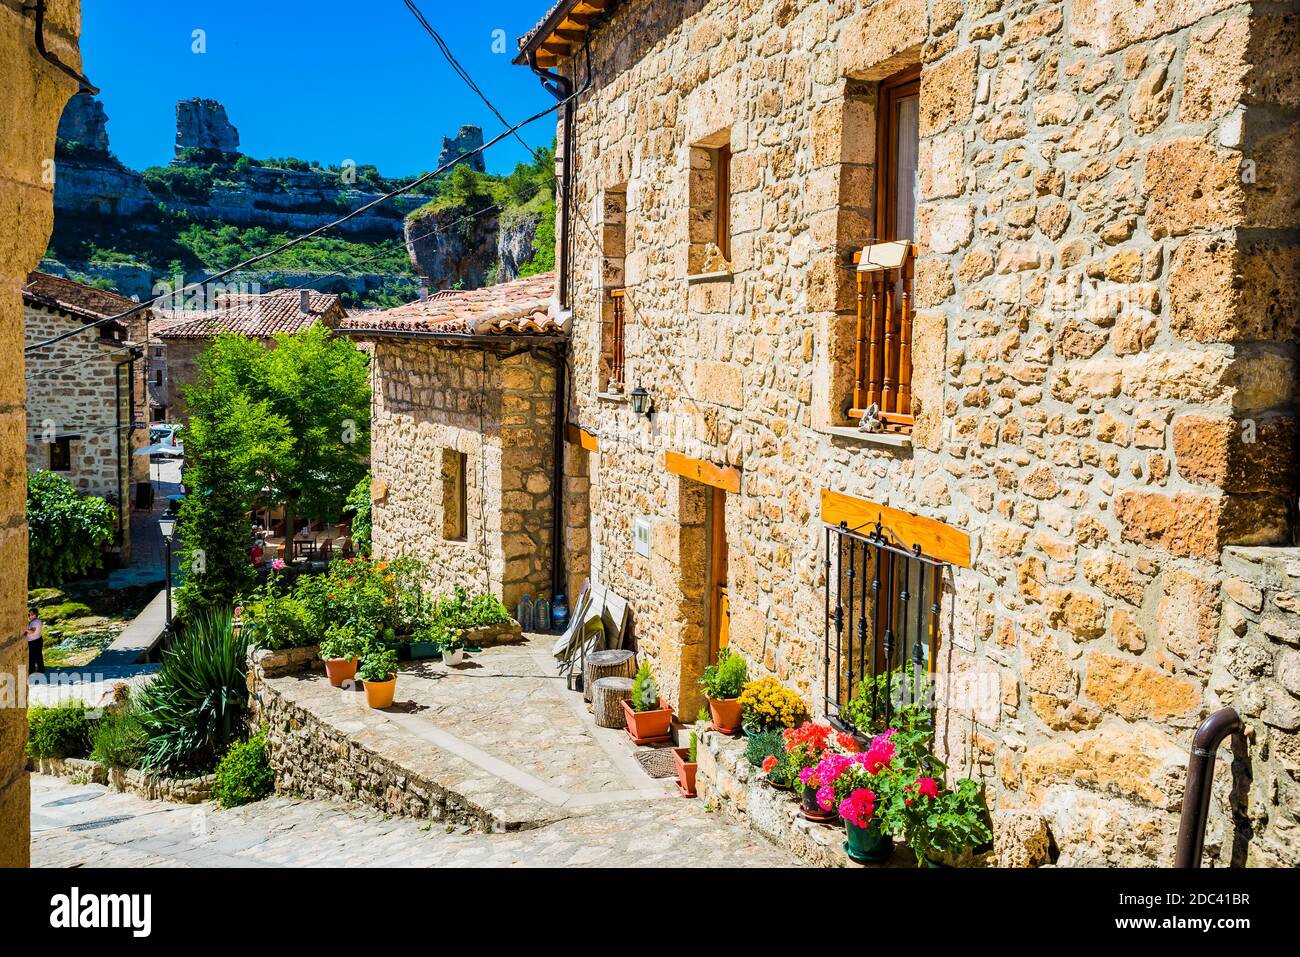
882 626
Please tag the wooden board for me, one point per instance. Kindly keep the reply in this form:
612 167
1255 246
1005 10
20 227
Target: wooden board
697 470
576 435
936 539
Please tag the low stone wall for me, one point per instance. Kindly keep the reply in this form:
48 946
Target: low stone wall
729 782
314 759
488 636
130 781
1256 670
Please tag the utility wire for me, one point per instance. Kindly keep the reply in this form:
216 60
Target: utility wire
420 180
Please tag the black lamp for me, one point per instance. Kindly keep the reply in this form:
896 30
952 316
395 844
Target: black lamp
167 525
641 403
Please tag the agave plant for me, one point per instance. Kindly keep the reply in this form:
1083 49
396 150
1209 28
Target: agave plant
196 706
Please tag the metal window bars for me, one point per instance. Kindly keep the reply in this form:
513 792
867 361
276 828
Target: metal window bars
881 627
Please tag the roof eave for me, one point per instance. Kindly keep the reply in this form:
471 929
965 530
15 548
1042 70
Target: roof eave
582 19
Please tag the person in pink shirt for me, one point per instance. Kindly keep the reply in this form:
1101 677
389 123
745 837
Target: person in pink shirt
35 644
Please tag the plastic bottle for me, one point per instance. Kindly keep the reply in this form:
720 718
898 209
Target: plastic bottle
560 614
541 614
524 614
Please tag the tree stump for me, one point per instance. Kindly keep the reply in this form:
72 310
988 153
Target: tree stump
607 700
607 664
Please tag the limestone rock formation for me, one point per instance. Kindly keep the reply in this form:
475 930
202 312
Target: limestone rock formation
203 125
452 253
84 123
469 138
515 243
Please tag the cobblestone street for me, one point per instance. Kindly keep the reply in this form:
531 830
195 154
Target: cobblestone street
84 825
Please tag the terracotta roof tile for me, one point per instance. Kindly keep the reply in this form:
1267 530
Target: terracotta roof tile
256 316
521 307
84 302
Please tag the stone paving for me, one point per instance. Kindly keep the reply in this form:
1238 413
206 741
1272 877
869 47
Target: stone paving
500 731
85 825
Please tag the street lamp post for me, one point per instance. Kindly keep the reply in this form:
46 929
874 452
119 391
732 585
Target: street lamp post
167 525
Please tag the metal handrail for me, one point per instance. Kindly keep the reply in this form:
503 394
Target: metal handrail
1200 778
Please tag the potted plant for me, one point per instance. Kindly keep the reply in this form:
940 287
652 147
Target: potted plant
426 641
722 683
340 649
649 719
939 822
453 650
766 705
379 674
867 790
686 760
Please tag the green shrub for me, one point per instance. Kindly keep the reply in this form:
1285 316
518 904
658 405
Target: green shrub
726 678
196 705
67 609
761 745
66 531
62 731
379 665
118 739
244 775
342 642
645 693
358 502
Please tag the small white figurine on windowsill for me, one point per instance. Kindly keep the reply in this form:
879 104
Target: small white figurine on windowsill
870 421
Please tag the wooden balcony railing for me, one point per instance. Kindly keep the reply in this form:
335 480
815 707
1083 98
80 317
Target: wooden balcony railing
616 341
883 351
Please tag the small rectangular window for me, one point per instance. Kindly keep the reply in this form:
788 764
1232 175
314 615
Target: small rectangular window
61 455
455 498
722 190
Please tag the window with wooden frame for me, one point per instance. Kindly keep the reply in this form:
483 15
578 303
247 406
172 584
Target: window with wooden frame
710 205
61 454
455 495
883 349
610 371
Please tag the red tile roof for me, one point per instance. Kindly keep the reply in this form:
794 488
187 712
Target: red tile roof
256 316
521 307
78 300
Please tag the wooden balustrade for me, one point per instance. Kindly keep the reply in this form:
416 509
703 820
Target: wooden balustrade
883 350
616 340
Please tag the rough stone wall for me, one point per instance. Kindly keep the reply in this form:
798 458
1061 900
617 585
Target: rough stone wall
35 94
72 388
180 369
497 412
1255 816
1104 351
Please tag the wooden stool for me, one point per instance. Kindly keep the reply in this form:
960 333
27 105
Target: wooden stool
608 696
607 664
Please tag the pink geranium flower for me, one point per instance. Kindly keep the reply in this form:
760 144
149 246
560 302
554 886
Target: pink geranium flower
278 564
859 807
927 786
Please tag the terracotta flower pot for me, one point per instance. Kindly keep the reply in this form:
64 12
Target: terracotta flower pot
685 771
649 727
866 845
725 713
379 694
813 811
339 670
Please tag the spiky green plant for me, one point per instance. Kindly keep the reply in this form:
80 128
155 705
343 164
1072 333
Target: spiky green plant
645 693
197 704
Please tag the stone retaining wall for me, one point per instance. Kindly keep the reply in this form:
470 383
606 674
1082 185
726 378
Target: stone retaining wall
130 781
314 759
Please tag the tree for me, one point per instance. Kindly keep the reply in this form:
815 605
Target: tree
284 426
66 531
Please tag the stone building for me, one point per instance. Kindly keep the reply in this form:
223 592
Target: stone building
84 393
1051 249
181 335
462 444
35 94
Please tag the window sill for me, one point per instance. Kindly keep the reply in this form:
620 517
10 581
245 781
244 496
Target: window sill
896 440
693 279
612 396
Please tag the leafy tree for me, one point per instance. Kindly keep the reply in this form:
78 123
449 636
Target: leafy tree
359 504
67 531
285 426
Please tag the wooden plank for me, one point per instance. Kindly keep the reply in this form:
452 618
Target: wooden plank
697 470
936 539
575 435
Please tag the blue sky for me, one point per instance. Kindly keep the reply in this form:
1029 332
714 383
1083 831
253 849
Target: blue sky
323 80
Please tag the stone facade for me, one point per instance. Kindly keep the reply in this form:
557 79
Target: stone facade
1103 366
35 94
447 419
84 389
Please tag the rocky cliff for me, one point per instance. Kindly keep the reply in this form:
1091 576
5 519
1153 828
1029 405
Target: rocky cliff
130 229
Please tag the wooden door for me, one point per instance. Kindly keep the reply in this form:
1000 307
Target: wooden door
719 603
